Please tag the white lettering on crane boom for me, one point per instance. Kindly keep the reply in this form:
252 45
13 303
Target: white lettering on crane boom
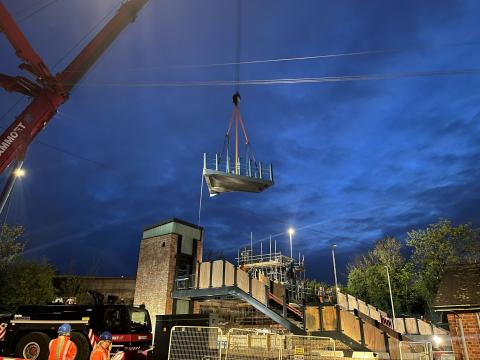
11 138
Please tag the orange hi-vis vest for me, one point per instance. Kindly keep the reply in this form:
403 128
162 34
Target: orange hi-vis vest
99 354
62 348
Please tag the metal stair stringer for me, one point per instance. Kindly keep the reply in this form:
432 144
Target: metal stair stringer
228 291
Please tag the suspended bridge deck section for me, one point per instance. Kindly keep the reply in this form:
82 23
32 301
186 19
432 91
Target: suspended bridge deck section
229 177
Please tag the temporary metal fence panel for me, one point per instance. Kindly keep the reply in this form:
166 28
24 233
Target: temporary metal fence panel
195 343
209 343
410 350
443 355
244 344
298 347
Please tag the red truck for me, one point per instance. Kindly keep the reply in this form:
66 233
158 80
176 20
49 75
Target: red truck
29 330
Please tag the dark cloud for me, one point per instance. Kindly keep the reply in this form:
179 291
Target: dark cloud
353 161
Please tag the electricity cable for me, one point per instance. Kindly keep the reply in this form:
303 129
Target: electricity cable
4 115
88 33
66 152
312 57
21 11
56 64
324 79
36 11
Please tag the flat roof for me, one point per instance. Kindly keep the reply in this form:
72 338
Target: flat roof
176 220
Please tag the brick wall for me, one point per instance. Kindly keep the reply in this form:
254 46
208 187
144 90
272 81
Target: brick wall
155 274
471 331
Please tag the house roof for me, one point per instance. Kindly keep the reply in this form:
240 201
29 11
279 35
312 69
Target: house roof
459 288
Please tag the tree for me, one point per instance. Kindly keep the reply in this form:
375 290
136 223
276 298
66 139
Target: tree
439 245
10 242
367 277
72 287
22 281
27 282
414 282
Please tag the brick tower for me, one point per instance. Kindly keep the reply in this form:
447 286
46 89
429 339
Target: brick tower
168 250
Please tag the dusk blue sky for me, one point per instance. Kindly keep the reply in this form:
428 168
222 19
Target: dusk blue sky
354 161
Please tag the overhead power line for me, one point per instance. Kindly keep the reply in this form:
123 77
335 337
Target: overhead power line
325 79
43 7
87 34
56 148
27 8
312 57
69 153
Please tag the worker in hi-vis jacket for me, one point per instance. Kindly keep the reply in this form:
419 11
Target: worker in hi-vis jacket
62 348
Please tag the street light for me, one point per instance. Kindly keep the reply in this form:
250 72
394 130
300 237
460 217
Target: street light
19 173
291 231
335 269
391 297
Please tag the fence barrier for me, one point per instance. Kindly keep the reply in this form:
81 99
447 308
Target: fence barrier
243 344
210 343
298 347
411 350
195 343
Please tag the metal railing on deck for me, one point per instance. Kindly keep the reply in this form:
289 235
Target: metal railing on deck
249 168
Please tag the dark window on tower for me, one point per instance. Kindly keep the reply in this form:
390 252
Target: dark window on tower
163 244
179 244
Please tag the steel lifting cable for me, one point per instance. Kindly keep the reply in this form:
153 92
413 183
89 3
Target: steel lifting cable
236 96
239 44
226 140
235 113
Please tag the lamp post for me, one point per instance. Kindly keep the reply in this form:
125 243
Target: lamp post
291 231
335 269
391 297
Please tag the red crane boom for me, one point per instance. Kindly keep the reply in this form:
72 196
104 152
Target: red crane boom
49 92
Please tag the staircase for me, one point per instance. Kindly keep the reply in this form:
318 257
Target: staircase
411 327
351 328
221 279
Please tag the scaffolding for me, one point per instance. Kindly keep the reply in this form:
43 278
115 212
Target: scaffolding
277 269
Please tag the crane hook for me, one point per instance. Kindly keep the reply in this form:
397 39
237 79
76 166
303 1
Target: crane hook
236 98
